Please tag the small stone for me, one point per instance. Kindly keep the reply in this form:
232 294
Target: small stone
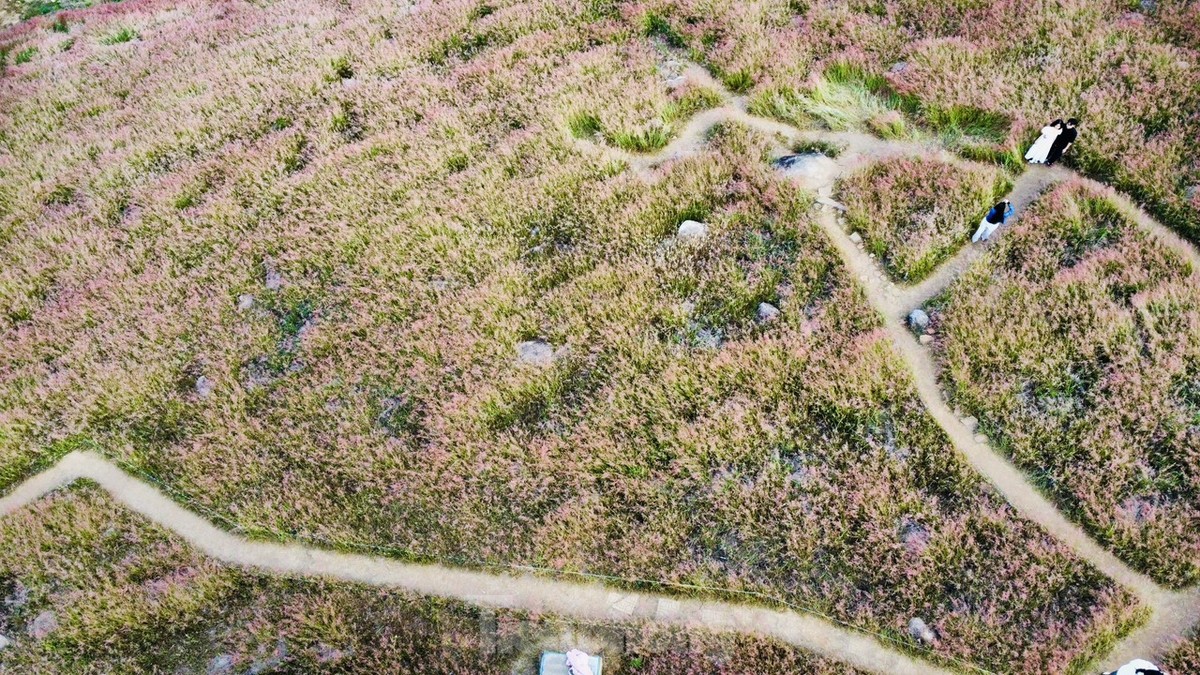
4 643
274 281
980 438
676 82
439 285
692 230
535 353
1192 192
833 204
970 423
708 339
918 320
1149 6
925 339
220 665
767 311
921 632
245 301
43 625
204 386
856 237
898 67
825 191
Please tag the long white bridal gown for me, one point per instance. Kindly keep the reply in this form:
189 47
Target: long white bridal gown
1041 147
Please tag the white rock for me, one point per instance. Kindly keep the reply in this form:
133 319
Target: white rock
43 625
767 311
245 301
925 339
204 386
980 438
692 230
4 643
833 204
919 631
970 423
535 353
918 320
811 170
676 82
856 237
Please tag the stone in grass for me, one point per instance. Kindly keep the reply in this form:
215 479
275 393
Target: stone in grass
535 353
42 625
245 301
204 386
921 632
925 339
4 643
220 665
918 320
811 169
767 311
856 238
1192 192
692 230
676 82
273 279
970 423
831 203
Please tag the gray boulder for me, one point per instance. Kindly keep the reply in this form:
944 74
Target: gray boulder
918 320
811 169
204 387
42 625
855 238
5 643
692 230
920 632
767 311
535 353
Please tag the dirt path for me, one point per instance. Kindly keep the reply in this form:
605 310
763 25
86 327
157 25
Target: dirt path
526 592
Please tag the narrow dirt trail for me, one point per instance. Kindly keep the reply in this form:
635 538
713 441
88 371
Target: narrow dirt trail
525 592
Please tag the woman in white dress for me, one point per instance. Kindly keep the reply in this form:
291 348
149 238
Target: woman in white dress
1041 147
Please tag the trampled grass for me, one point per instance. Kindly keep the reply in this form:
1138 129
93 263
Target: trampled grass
282 255
87 586
915 213
1075 342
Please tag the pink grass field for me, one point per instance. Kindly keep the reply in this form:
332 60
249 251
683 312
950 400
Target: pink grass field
280 256
1077 340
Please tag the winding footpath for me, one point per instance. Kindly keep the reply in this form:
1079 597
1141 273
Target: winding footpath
1173 613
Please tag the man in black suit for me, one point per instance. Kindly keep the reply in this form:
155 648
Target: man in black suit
1063 142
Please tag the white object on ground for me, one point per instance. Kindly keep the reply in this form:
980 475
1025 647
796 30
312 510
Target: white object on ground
577 663
556 663
692 229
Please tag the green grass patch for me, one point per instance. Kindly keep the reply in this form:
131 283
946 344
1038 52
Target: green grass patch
25 55
123 34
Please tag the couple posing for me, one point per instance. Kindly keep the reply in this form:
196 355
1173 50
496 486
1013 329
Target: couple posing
1055 139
